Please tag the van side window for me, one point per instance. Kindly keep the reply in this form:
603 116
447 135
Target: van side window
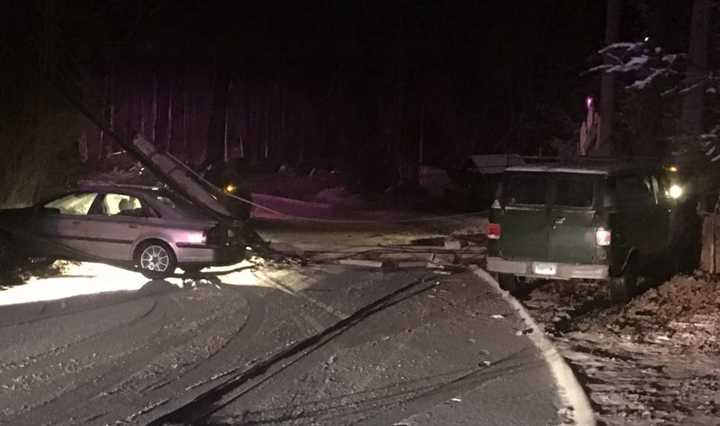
634 190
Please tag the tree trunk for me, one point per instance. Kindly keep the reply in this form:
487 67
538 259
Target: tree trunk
226 124
607 99
185 116
155 106
218 113
169 136
693 102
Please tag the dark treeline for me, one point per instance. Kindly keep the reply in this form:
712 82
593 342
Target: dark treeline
372 87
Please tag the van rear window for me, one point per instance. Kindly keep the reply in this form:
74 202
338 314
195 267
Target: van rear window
530 188
574 190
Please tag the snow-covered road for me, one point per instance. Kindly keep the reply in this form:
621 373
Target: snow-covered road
295 345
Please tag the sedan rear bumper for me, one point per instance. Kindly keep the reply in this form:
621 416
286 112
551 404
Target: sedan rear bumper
563 271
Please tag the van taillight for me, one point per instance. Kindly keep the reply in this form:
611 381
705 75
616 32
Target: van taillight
494 231
603 236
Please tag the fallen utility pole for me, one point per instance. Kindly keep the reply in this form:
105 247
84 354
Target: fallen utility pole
165 167
177 176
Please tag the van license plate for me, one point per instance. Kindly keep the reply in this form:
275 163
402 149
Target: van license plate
542 268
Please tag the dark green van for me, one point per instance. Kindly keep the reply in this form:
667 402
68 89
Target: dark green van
591 220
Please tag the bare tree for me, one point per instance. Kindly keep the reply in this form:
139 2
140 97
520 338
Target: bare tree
693 101
607 100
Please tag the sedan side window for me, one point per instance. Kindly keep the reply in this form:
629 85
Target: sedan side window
122 205
78 203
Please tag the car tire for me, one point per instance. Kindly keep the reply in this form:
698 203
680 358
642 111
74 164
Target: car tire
155 260
509 283
623 287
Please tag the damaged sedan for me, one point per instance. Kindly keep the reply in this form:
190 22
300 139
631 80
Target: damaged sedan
151 229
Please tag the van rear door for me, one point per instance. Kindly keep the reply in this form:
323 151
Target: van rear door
524 215
572 220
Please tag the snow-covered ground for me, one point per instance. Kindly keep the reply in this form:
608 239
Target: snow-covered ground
653 361
70 279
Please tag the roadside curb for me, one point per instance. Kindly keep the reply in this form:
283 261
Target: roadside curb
571 393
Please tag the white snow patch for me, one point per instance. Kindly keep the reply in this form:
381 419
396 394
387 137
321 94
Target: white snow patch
86 278
619 45
637 61
77 280
641 84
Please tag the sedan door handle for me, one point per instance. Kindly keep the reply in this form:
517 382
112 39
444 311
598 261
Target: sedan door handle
75 222
132 226
559 220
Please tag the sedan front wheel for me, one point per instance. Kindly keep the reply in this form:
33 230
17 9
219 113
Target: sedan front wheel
156 260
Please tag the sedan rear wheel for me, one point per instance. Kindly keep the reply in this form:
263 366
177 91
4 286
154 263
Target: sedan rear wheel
155 260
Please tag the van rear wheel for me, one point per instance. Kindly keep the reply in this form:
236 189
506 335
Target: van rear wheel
623 287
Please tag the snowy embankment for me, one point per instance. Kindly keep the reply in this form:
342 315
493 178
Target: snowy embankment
653 361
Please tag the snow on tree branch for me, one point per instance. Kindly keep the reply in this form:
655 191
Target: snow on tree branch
644 63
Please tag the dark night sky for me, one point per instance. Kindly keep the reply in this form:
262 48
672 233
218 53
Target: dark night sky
476 42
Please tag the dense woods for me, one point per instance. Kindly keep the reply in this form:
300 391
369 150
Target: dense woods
373 88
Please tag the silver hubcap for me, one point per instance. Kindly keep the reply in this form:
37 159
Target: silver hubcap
155 258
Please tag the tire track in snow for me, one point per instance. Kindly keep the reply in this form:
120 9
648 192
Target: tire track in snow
198 375
156 333
56 350
24 314
239 384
